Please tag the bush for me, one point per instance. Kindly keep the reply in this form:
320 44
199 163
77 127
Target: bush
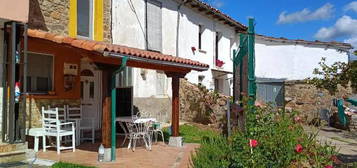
281 142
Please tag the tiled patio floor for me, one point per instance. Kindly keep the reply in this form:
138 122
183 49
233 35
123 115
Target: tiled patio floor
161 156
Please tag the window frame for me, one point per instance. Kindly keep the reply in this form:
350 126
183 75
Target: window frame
200 32
148 47
52 75
91 21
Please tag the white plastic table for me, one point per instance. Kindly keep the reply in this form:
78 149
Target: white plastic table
36 133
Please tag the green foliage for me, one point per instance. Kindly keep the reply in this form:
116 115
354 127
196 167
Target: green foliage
192 134
277 135
69 165
336 74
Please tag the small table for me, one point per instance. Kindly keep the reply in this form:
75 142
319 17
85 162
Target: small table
128 119
36 133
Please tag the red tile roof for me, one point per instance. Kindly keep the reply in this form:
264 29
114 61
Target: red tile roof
101 47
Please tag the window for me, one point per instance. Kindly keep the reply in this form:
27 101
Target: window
124 78
40 73
200 31
84 18
217 44
216 85
160 83
154 25
200 79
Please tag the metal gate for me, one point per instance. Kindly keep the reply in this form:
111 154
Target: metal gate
271 91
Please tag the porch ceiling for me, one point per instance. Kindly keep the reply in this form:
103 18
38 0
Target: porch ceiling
134 54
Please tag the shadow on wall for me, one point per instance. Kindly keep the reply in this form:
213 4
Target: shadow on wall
36 19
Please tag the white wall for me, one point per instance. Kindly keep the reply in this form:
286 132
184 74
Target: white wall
129 29
292 62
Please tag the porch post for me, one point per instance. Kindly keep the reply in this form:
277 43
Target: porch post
175 105
175 140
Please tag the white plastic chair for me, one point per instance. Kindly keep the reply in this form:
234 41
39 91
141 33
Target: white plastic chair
52 126
85 123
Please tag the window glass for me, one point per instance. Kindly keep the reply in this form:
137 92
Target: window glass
84 17
154 25
91 90
82 89
40 73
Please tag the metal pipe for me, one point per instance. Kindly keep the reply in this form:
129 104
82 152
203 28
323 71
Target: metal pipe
158 62
12 85
4 84
24 88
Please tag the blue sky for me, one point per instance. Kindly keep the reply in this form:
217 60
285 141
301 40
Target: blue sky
325 20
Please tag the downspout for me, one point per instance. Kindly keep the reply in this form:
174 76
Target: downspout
114 107
178 27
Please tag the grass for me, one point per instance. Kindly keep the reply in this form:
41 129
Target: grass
69 165
191 133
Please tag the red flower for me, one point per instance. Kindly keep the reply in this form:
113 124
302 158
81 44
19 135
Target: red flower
297 119
219 63
328 166
298 148
253 143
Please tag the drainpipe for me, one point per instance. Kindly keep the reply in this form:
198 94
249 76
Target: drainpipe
178 27
114 107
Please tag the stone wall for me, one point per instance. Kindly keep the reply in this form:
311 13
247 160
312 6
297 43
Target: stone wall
33 110
159 108
308 100
53 16
199 105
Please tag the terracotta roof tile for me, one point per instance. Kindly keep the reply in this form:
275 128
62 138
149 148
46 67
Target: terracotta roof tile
100 47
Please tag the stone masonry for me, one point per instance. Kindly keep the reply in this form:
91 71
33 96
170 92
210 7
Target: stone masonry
34 106
53 16
309 100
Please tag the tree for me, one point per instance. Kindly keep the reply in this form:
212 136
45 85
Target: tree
330 76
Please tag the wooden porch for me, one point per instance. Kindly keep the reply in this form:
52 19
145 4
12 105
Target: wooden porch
107 58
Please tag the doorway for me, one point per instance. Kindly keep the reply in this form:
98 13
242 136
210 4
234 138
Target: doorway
91 94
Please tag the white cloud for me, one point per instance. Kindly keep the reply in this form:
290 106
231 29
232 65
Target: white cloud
351 6
218 3
322 13
352 40
344 27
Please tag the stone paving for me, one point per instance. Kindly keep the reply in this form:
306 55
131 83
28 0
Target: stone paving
345 141
161 156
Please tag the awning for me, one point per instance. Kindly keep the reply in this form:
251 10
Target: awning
113 50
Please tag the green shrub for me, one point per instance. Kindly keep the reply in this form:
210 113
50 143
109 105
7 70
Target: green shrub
69 165
277 134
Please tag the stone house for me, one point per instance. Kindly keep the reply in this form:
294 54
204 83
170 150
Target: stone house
71 61
187 29
283 64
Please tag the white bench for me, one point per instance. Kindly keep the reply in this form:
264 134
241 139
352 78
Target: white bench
36 133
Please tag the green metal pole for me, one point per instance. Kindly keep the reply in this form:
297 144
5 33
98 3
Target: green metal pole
251 62
114 139
114 107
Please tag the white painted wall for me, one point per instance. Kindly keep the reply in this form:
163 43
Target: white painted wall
129 30
292 62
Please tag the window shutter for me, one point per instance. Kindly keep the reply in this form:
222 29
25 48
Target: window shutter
154 25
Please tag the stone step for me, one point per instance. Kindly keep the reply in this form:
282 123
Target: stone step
13 152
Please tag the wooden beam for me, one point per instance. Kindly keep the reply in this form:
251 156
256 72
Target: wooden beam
106 118
175 106
106 123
